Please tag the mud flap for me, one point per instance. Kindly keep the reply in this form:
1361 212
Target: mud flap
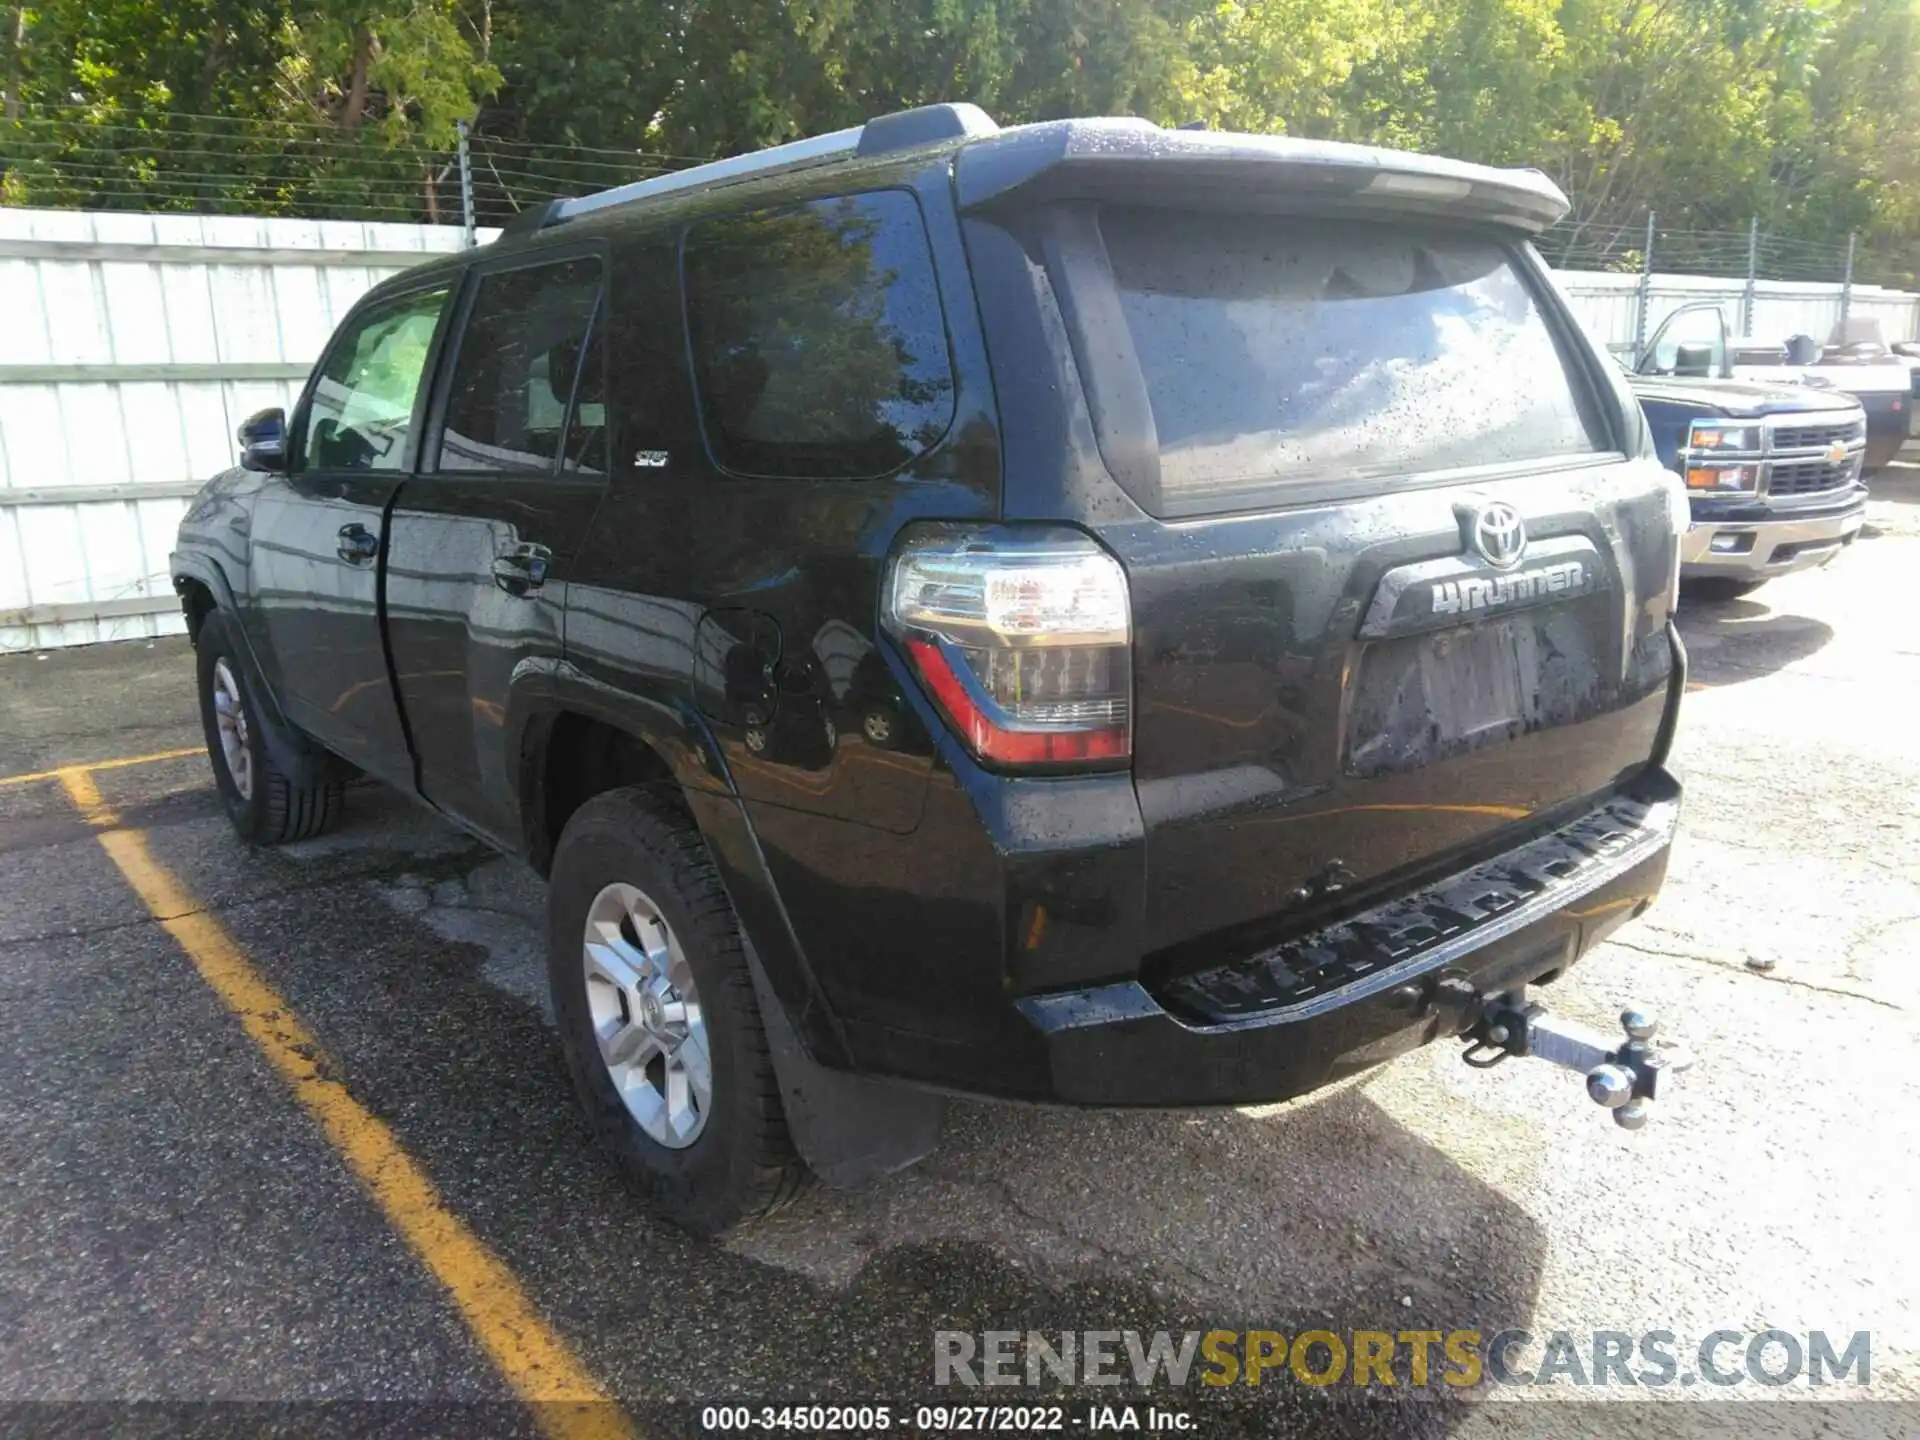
850 1129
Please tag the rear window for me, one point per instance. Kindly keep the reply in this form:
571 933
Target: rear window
1282 350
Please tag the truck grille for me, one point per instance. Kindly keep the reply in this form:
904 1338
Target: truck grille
1809 477
1809 437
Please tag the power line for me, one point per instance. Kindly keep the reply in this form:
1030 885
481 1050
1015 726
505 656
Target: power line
87 115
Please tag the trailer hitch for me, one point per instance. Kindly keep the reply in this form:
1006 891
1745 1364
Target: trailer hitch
1625 1077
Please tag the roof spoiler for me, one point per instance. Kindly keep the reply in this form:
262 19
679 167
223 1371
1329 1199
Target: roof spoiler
1089 159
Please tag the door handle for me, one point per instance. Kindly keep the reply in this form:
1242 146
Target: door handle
523 569
358 545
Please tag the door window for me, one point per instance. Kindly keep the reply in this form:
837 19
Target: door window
362 407
819 344
1691 341
524 350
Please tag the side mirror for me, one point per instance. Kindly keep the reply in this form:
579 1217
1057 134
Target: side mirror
263 441
1693 360
1802 350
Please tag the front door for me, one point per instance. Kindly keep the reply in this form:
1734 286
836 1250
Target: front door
482 539
318 532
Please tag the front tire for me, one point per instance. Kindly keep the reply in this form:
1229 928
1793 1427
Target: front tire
266 806
658 1016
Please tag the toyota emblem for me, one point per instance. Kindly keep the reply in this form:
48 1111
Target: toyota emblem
1499 534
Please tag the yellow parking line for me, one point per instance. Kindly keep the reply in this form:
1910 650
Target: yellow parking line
119 764
568 1403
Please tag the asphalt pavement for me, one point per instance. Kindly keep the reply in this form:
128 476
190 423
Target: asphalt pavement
176 1225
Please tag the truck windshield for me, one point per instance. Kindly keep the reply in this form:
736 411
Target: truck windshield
1278 350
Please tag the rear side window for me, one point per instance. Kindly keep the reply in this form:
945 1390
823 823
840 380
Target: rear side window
819 345
525 346
1278 350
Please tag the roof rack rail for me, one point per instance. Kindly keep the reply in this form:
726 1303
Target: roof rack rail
882 135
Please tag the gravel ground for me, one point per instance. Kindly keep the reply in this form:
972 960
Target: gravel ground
172 1226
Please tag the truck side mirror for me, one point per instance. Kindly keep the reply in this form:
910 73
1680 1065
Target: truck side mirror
1693 360
263 440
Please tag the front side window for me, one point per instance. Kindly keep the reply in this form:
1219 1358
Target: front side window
362 407
819 344
1277 350
525 347
1692 341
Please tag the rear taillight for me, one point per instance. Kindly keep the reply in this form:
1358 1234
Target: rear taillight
1021 637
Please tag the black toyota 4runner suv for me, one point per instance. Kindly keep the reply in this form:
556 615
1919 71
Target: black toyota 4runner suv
1080 613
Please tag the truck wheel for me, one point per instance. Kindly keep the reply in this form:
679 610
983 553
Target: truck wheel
1718 587
658 1018
265 806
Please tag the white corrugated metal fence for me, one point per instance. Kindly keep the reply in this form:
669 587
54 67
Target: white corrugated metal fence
1606 302
131 348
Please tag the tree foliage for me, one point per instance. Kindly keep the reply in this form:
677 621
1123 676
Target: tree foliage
1805 113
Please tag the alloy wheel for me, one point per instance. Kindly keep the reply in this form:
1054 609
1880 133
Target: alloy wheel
230 718
646 1016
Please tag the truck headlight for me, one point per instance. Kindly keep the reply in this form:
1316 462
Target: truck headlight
1709 435
1721 479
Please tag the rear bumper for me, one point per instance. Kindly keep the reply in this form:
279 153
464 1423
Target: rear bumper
1346 998
1764 549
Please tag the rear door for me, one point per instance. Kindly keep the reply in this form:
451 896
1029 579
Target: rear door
482 540
1398 592
318 531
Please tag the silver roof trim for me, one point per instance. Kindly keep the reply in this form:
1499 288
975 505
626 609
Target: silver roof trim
796 154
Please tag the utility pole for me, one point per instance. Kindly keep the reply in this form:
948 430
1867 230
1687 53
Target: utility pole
1846 287
1644 294
1753 272
466 187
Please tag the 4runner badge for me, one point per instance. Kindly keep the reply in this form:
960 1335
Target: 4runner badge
1461 597
650 459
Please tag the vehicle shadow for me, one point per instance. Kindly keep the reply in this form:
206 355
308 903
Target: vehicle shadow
1322 1214
1733 640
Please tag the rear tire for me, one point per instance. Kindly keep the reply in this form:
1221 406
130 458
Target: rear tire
1718 587
628 853
265 805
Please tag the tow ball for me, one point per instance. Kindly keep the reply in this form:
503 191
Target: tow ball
1625 1077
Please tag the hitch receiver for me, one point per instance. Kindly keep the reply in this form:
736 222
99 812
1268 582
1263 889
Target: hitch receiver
1624 1077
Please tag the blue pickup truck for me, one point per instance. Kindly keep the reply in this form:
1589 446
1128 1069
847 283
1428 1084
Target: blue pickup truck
1773 468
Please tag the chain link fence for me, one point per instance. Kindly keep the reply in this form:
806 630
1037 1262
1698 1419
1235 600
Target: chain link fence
80 159
87 158
1754 250
1751 259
